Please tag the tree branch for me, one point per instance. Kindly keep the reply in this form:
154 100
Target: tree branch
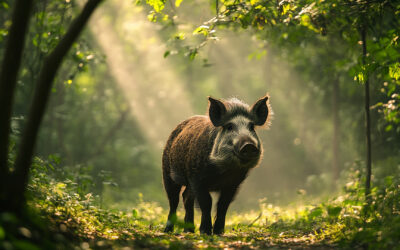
40 100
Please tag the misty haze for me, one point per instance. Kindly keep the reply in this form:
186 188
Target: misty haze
92 93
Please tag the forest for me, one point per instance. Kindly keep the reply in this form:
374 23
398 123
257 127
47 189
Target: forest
90 91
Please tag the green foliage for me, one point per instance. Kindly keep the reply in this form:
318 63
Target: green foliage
86 109
158 5
333 29
70 218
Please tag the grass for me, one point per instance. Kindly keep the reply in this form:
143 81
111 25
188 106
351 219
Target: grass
60 216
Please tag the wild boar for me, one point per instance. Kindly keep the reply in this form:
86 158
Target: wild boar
212 153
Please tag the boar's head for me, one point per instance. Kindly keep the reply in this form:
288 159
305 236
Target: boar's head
236 142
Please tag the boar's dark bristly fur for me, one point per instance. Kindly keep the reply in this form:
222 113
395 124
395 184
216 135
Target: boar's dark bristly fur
212 153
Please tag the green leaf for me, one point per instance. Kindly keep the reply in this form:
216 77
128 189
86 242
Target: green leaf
152 17
394 71
135 213
204 30
389 128
167 53
2 233
178 3
55 158
316 212
334 211
193 54
305 20
5 5
180 36
158 5
285 9
35 40
389 180
360 77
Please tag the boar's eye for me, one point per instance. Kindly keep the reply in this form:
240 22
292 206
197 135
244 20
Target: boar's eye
251 126
229 126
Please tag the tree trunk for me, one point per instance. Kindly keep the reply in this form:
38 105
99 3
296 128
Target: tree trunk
367 117
38 106
8 80
336 133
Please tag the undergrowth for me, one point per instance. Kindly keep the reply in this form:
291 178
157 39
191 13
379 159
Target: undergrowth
60 215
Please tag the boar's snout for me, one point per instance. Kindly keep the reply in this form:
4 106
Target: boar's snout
246 149
249 151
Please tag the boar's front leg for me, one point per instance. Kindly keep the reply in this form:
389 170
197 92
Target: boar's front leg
188 201
225 198
205 202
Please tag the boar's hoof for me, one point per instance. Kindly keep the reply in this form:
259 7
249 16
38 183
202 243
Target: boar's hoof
188 230
205 231
218 231
188 227
169 227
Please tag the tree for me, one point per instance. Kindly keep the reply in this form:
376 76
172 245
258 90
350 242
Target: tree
17 179
8 80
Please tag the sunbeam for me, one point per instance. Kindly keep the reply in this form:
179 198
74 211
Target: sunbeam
154 91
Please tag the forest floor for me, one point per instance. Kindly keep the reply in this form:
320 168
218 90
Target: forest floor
62 215
133 231
66 222
252 238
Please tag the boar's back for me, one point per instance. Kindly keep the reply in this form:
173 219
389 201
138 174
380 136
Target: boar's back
186 154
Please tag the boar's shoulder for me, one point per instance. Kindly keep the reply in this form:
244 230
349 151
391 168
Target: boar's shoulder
189 146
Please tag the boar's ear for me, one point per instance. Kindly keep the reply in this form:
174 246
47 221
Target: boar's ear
260 110
216 111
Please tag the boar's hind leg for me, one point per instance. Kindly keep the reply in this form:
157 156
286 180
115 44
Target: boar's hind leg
205 202
188 201
225 198
173 191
